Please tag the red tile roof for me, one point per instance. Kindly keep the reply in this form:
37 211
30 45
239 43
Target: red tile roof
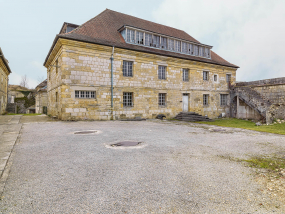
103 29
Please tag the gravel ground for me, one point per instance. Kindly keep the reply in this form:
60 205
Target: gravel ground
179 168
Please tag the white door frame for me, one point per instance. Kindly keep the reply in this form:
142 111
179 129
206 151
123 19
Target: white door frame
185 102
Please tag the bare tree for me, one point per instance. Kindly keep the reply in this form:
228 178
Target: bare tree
40 79
24 81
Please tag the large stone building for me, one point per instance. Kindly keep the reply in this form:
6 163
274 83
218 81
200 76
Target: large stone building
4 79
119 66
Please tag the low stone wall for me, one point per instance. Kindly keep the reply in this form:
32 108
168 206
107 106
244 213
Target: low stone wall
17 107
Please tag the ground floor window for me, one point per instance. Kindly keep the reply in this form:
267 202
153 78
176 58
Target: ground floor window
205 99
85 94
127 99
223 99
162 99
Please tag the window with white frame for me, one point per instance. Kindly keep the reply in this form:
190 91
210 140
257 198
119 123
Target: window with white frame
162 99
148 38
177 46
128 99
228 78
171 44
163 43
196 50
127 68
205 75
139 37
184 47
155 41
205 99
223 99
215 78
131 36
185 74
162 72
85 94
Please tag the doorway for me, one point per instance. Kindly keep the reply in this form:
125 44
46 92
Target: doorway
185 102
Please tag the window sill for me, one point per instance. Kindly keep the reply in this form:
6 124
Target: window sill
160 106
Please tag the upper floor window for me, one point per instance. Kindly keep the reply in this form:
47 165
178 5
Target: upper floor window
190 49
162 72
185 74
131 36
148 39
171 44
228 78
155 41
205 75
201 51
184 47
127 69
163 42
177 46
196 51
139 37
215 78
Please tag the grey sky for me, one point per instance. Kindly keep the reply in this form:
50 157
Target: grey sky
246 33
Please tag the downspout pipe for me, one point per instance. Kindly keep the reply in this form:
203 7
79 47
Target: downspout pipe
112 104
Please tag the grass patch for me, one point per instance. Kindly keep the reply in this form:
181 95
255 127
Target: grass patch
273 164
245 124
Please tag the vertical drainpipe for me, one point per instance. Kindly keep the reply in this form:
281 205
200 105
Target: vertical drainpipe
112 104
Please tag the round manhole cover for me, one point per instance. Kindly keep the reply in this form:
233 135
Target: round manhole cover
86 132
126 144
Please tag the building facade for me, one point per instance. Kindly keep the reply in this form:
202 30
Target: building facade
41 98
4 79
117 66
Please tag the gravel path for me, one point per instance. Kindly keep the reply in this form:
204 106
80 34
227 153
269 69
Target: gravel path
179 168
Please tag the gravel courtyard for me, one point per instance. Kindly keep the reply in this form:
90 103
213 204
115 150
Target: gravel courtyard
178 168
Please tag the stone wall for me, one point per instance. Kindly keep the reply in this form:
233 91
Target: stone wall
41 101
3 86
88 67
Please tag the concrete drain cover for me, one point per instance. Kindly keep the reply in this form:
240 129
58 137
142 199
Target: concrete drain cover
126 144
86 132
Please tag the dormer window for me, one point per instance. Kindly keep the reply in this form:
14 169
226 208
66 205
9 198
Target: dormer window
130 36
139 39
154 40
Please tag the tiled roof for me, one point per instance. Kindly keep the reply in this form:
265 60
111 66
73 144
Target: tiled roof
103 29
42 84
5 60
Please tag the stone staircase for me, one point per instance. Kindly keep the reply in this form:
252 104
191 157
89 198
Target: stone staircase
191 117
252 98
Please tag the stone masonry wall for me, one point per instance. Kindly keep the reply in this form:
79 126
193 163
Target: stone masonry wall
88 67
3 86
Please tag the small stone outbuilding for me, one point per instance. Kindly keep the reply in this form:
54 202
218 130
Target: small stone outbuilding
41 98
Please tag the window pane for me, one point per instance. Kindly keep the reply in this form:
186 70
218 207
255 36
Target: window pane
205 99
127 68
185 74
163 42
162 99
131 36
171 44
177 46
205 75
184 47
87 94
139 37
92 94
161 72
190 49
82 94
148 39
128 99
155 41
76 94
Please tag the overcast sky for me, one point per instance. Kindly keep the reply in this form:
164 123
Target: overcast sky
247 33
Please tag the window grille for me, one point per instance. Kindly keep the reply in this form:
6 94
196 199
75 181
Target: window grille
190 49
85 94
155 41
205 75
205 99
139 37
131 36
162 99
177 46
201 51
228 78
207 52
184 47
215 78
163 42
162 72
223 99
171 44
127 69
196 51
127 99
148 39
185 74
